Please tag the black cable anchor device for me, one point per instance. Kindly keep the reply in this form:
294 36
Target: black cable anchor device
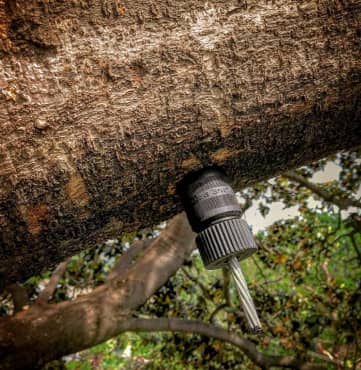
223 237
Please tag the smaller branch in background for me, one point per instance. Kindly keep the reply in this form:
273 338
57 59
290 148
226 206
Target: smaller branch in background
19 296
351 236
196 281
324 357
269 282
355 246
226 282
356 360
355 222
264 247
260 270
50 288
339 201
128 258
324 267
219 308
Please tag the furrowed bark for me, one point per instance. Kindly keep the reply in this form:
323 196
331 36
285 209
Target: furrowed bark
105 105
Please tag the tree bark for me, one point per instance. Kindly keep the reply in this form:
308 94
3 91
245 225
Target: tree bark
105 105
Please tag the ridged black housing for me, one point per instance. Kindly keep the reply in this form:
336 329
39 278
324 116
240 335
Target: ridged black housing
214 213
218 242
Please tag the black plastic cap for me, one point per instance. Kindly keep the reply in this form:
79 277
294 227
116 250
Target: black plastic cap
224 240
214 213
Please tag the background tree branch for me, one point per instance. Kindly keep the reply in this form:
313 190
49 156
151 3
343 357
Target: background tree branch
19 296
46 294
338 200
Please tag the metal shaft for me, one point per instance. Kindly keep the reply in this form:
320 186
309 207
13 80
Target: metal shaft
249 309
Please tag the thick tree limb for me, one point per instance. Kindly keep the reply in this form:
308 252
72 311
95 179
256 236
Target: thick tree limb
198 327
103 108
50 288
340 202
46 332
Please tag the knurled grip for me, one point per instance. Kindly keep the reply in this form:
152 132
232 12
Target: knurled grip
214 213
224 240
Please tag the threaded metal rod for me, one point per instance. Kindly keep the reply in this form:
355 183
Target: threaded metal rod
249 309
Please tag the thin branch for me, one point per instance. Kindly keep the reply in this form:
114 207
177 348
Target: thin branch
226 282
197 282
201 328
356 351
216 310
355 246
260 270
50 288
339 201
351 236
324 267
19 296
323 357
128 258
269 282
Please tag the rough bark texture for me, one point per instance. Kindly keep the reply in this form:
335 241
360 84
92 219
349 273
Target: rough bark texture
104 106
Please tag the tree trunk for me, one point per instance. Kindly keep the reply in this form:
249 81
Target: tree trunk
105 105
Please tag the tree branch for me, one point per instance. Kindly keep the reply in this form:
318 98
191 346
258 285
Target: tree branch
198 327
226 281
355 246
213 315
19 296
127 258
197 282
324 267
340 202
106 140
46 332
50 288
